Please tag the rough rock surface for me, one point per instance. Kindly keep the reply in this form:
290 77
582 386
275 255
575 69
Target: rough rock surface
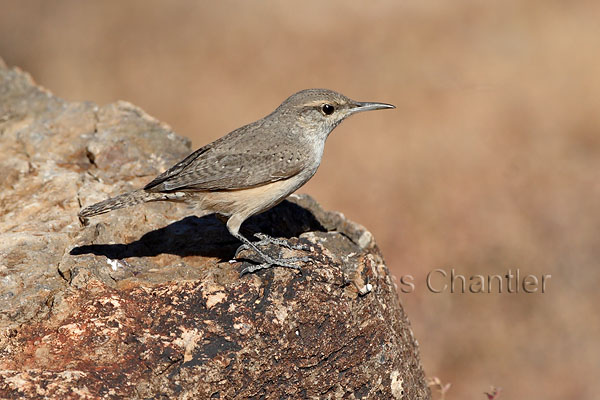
144 303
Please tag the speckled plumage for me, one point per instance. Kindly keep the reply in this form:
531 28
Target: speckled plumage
253 167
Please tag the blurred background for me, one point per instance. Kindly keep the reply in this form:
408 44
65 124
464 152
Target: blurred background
490 162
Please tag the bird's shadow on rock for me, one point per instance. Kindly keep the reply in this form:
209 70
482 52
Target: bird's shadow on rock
207 236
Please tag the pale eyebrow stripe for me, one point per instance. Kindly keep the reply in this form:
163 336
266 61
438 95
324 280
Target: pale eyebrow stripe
319 102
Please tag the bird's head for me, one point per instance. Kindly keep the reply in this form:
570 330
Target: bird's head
321 110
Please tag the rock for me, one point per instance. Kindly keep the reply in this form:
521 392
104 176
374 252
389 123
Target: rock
144 302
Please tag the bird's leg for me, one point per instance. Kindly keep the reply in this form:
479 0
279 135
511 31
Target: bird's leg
268 260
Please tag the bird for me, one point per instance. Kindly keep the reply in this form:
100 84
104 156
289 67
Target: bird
252 168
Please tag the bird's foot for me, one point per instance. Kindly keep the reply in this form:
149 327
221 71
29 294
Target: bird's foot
267 240
264 260
272 262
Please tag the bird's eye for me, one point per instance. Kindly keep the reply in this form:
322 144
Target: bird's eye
327 109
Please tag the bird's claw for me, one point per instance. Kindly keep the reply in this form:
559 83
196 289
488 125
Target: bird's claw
266 240
287 263
264 260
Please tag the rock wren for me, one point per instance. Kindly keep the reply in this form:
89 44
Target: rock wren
252 168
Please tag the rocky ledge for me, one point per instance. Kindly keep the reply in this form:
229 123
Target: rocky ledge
145 302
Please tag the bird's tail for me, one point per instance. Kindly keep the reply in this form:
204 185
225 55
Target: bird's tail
127 200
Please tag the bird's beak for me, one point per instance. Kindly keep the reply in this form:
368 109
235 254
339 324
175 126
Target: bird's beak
359 107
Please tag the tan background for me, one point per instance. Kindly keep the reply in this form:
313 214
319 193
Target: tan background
490 162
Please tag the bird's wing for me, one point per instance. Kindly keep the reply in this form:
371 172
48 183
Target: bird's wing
210 168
